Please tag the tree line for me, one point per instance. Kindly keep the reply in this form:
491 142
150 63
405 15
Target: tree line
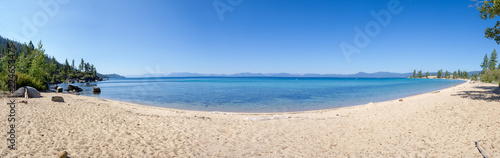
490 70
447 75
37 69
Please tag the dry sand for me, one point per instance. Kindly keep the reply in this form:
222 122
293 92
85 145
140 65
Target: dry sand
443 124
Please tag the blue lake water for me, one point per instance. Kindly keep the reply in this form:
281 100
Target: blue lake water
260 94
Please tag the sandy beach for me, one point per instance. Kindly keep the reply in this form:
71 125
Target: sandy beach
444 123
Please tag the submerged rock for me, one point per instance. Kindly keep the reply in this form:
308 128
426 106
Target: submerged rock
59 89
32 92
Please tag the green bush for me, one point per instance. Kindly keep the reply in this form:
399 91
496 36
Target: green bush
4 82
25 80
491 76
21 81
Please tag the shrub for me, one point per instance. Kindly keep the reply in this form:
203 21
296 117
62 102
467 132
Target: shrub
491 76
25 80
4 82
21 81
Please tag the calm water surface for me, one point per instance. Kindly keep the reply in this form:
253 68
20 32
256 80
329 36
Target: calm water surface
260 94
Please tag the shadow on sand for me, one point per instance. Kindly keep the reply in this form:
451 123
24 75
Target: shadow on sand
489 94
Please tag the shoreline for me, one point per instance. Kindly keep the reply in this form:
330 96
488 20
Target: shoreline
383 100
431 124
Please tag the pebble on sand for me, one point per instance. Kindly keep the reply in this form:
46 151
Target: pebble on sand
63 154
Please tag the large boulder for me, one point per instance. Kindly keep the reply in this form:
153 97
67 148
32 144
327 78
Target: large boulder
70 87
32 92
76 88
96 89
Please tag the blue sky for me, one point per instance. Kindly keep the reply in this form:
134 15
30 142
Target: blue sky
131 37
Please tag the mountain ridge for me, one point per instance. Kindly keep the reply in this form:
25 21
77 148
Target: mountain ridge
380 74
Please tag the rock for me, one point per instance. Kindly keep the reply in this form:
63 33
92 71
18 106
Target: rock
57 99
55 86
32 92
96 89
71 87
63 154
401 100
59 89
75 88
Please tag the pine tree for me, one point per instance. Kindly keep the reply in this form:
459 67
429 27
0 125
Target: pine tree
414 73
66 66
440 73
81 65
73 65
419 74
455 74
485 63
427 74
493 60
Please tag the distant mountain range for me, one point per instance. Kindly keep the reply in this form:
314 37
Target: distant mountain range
110 76
247 74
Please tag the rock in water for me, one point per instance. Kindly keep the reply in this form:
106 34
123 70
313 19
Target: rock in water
70 87
76 88
63 154
57 99
32 92
55 86
59 89
96 89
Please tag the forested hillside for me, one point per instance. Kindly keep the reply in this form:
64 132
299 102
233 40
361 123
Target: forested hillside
37 69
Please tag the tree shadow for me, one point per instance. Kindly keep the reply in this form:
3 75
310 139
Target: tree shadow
488 93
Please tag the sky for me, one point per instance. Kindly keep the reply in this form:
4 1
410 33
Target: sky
132 37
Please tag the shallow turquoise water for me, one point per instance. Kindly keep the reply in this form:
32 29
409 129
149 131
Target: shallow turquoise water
260 94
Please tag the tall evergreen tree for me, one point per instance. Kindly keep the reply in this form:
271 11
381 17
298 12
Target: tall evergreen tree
485 63
66 66
73 65
493 60
414 73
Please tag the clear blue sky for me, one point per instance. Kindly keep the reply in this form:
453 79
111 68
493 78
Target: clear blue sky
132 37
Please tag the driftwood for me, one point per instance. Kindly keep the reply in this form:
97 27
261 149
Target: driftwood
478 148
26 93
